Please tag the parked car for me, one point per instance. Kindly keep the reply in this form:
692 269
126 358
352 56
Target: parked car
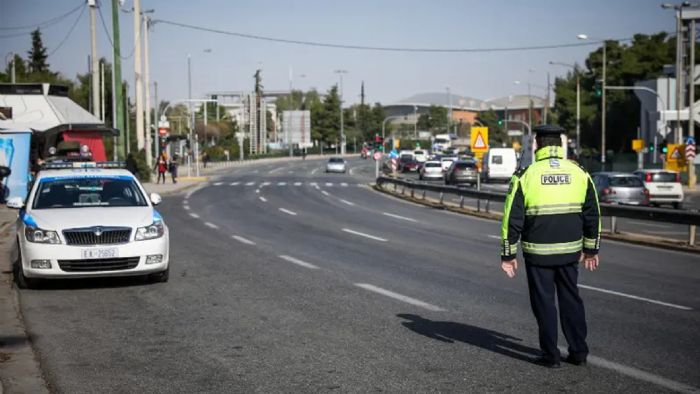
83 220
499 164
461 172
336 164
620 188
431 170
664 186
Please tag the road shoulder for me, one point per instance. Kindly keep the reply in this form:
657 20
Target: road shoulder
19 367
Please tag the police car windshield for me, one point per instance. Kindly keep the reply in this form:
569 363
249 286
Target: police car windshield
86 192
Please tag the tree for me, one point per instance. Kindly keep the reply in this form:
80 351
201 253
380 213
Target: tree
327 118
81 93
38 55
435 119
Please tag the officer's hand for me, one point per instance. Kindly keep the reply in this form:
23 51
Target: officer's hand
509 267
590 261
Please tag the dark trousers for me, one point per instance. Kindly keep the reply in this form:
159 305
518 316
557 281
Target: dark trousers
544 282
161 175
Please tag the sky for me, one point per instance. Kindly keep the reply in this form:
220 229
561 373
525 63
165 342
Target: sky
226 63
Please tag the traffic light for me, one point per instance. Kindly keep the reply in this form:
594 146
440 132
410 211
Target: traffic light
651 147
598 89
663 147
500 122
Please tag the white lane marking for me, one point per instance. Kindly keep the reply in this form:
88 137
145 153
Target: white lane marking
186 207
314 184
265 184
218 183
211 225
399 217
347 230
639 374
634 297
314 171
257 191
254 171
194 215
343 184
352 171
494 236
297 183
329 184
649 224
234 183
298 262
243 240
288 212
185 201
275 170
346 202
281 183
325 193
400 297
263 199
250 184
290 172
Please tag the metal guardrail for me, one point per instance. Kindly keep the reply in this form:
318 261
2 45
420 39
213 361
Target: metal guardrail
675 216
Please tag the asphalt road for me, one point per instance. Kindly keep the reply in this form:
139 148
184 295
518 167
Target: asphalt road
286 279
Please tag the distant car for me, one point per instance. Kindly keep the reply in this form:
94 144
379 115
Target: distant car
447 161
408 165
420 155
664 186
620 188
89 220
336 164
461 172
499 164
431 170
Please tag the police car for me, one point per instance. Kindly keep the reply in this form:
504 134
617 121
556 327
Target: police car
88 220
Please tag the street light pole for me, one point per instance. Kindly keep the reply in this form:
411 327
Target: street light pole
94 67
342 129
602 98
415 122
578 102
138 77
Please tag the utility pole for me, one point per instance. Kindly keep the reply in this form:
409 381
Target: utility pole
127 120
691 99
14 76
546 105
147 86
102 92
578 111
138 77
118 114
94 67
602 106
156 150
342 129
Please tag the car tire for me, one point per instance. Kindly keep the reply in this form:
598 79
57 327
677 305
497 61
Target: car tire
21 280
160 277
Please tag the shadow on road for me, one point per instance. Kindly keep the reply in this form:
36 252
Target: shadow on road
451 332
90 283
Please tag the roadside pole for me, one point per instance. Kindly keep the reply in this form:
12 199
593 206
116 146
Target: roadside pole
94 66
118 115
691 105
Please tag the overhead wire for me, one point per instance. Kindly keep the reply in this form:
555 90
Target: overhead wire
69 32
47 22
109 36
379 48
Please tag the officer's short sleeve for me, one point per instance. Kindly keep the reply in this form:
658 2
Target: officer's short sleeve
513 219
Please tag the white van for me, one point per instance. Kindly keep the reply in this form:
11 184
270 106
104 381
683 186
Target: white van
499 164
420 155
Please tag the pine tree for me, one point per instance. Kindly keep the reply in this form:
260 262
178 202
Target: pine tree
37 55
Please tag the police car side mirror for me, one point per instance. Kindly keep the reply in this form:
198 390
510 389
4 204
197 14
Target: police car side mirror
15 203
5 172
156 198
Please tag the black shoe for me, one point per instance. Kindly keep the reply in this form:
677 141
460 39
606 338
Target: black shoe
575 360
546 362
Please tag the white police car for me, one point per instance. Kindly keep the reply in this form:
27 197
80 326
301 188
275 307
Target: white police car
89 220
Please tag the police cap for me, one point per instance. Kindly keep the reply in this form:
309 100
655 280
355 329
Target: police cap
546 129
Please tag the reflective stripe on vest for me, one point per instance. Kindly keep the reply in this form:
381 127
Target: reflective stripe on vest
548 249
553 209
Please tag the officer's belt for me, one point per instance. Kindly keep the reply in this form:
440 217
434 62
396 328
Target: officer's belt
553 209
557 248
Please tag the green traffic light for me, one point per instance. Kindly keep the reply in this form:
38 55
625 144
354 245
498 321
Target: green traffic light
500 122
651 148
664 149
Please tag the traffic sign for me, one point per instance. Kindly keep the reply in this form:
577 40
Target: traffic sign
690 152
637 145
675 158
480 139
377 155
163 127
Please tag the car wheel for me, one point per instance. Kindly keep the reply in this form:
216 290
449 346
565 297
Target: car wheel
20 279
160 277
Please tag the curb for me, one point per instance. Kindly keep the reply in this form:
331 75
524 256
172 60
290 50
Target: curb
637 239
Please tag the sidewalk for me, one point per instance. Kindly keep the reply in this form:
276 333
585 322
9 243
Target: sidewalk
19 367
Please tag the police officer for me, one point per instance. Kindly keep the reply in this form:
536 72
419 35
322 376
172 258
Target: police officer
552 210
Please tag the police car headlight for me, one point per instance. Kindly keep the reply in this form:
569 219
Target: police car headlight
155 230
37 235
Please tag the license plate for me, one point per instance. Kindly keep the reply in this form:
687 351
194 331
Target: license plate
665 187
99 253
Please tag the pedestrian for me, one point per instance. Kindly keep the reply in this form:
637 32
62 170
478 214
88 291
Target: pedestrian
161 167
173 168
131 164
303 153
552 210
205 159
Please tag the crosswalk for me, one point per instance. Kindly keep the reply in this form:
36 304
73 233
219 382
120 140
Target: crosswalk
287 184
